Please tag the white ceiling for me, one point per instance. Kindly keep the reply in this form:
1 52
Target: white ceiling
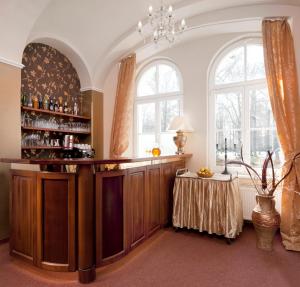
98 32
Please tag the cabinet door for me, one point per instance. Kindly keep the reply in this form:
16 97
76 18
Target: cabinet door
110 216
167 181
153 198
136 207
22 214
56 221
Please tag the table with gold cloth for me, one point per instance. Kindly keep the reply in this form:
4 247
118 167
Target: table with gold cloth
208 204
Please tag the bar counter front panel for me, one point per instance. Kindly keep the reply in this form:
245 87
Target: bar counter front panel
69 221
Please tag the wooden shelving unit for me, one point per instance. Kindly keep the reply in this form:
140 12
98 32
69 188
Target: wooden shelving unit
84 118
55 130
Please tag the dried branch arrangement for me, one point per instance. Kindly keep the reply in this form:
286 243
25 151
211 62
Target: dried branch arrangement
261 183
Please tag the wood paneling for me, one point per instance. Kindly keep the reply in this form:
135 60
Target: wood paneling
121 211
22 214
153 198
110 216
137 204
167 181
56 221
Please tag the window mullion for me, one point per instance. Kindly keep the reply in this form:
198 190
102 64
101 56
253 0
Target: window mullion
158 121
246 128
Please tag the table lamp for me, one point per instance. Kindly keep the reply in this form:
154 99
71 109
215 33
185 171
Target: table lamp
181 125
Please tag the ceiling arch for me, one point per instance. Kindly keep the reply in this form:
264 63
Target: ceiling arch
68 50
101 32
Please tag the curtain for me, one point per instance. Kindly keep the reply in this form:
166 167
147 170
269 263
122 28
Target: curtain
123 112
281 75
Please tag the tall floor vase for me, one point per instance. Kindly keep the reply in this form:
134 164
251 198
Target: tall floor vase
266 221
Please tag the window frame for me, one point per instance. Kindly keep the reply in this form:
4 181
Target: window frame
156 99
244 86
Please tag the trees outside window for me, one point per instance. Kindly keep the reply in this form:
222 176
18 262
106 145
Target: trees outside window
158 99
239 106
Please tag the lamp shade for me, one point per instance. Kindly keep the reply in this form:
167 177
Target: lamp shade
180 123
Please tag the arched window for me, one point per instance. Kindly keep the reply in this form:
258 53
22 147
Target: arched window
239 108
158 100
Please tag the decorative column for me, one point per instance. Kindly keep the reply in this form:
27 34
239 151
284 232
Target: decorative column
86 233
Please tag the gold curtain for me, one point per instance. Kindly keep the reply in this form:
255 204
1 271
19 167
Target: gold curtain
281 74
123 112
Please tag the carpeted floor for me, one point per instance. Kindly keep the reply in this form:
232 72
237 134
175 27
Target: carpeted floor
176 259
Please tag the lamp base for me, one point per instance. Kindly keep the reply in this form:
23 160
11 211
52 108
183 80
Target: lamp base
180 141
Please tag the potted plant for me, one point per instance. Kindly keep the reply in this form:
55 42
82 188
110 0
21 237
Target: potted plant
265 217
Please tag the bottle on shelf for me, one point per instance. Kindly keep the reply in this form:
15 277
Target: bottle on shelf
66 108
46 103
29 102
35 102
56 106
60 107
23 99
76 110
40 102
51 105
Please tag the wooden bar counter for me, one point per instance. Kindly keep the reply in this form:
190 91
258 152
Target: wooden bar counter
75 215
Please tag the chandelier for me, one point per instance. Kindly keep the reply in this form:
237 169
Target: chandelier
163 24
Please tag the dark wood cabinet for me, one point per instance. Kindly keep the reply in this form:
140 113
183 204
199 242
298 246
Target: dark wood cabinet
167 179
56 221
110 204
136 185
23 215
153 198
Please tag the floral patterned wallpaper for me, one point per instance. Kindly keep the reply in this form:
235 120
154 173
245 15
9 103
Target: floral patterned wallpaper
48 72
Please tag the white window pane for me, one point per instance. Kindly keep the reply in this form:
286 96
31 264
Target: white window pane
255 62
228 110
145 144
168 80
260 109
146 118
234 141
147 83
231 68
263 140
168 110
167 144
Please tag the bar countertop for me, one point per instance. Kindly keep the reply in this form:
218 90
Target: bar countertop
90 161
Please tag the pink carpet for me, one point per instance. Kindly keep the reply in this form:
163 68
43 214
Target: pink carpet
177 259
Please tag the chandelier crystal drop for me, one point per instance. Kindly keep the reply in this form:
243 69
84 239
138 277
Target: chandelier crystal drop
163 24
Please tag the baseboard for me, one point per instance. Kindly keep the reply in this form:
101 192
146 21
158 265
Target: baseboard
4 240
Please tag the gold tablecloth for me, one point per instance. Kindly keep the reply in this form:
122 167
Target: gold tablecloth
213 205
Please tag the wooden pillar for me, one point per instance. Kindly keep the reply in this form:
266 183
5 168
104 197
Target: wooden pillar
86 252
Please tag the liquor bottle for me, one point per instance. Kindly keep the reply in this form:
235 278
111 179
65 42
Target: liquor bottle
35 102
23 99
56 107
40 102
51 106
30 103
66 108
46 103
60 108
76 109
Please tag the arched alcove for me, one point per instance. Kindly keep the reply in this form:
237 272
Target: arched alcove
48 72
71 53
